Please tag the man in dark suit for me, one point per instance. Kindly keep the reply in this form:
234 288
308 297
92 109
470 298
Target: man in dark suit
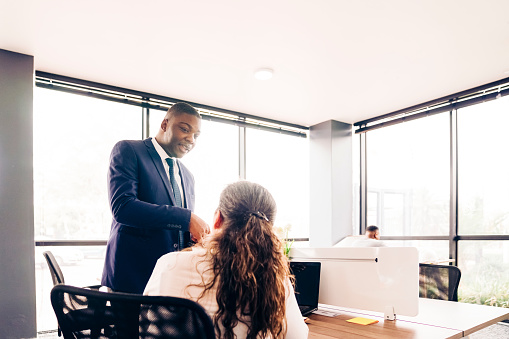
152 208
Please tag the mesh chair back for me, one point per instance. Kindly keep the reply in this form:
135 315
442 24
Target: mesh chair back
56 273
84 313
439 281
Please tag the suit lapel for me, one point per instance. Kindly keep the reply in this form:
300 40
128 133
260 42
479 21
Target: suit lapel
160 168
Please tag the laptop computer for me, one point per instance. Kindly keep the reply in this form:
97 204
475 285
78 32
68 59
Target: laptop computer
307 285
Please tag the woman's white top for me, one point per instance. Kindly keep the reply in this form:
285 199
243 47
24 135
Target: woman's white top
176 273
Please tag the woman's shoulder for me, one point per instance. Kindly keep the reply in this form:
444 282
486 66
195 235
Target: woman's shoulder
182 257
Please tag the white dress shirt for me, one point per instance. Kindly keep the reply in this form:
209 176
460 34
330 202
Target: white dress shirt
176 172
368 242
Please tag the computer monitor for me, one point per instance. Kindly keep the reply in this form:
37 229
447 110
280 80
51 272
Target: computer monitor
380 279
307 285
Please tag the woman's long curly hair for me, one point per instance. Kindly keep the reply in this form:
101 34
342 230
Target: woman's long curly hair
249 267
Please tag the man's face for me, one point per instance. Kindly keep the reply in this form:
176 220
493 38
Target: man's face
377 235
179 134
373 234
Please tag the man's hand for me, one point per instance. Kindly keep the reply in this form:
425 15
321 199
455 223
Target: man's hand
198 228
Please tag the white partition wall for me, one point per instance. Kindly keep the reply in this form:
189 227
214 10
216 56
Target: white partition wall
367 278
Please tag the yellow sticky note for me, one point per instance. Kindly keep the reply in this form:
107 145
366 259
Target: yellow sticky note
362 321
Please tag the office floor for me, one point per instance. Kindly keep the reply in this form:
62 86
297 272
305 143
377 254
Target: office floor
500 330
48 334
497 331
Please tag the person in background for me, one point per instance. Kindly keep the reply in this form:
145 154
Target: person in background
152 200
371 239
240 274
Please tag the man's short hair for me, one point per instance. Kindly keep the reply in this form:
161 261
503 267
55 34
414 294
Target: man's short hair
182 108
372 228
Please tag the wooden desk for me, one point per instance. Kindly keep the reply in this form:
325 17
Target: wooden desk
323 327
436 319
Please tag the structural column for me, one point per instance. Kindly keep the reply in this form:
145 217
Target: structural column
331 190
17 277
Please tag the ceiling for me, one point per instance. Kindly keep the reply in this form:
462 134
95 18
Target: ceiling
339 59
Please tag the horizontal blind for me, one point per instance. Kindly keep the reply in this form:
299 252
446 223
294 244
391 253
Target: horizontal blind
162 103
448 103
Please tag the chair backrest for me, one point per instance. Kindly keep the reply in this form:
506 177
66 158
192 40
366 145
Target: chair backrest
84 313
439 281
56 273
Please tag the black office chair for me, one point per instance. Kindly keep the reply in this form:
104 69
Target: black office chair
56 274
84 313
439 281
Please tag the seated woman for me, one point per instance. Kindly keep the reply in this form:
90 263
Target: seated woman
240 275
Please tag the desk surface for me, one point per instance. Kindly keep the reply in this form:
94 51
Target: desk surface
468 318
436 319
323 327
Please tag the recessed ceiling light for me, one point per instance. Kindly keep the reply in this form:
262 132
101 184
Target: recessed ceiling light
263 73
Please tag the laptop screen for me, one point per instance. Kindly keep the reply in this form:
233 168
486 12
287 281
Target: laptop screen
307 284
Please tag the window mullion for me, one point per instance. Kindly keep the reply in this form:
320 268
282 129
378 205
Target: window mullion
453 215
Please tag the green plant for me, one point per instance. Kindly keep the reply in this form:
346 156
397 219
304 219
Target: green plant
282 233
486 286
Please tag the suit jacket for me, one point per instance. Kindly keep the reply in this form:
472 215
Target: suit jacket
145 222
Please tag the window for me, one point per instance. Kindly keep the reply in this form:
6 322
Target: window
408 177
483 168
155 118
410 194
430 251
280 163
73 138
484 272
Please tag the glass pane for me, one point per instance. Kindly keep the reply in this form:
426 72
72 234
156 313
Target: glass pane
373 208
280 163
484 269
394 212
483 168
214 163
81 266
408 177
154 121
430 251
73 138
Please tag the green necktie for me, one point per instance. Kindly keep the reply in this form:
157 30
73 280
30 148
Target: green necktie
174 184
